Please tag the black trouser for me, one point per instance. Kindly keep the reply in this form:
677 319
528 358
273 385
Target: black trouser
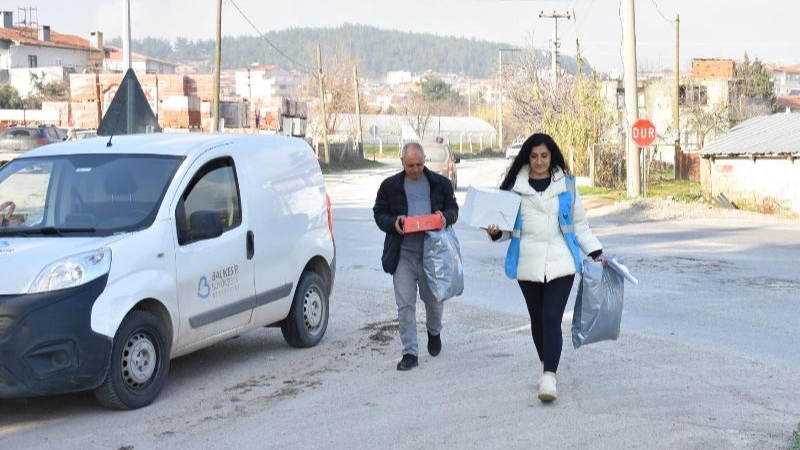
546 303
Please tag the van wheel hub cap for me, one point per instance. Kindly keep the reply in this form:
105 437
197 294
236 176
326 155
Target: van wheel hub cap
139 360
313 309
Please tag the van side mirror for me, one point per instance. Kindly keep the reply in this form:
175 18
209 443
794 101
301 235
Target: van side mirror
456 159
205 225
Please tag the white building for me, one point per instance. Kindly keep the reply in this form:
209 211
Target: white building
756 165
141 64
399 77
267 83
22 47
786 78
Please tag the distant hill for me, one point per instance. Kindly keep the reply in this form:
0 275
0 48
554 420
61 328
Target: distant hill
379 51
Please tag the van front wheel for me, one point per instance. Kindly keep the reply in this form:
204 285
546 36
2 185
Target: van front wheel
308 316
139 363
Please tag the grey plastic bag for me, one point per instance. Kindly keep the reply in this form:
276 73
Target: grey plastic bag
442 264
598 307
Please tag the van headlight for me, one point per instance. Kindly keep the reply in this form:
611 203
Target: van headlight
73 271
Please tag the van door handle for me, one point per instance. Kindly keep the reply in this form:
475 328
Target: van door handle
251 245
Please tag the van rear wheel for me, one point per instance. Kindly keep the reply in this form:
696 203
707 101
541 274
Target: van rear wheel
308 316
139 363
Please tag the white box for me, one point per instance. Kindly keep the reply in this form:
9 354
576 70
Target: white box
490 206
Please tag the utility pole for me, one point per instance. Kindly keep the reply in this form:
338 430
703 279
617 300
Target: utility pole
676 98
217 69
127 62
326 157
631 98
360 138
500 95
555 44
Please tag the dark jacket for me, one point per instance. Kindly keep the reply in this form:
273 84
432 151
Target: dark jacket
391 202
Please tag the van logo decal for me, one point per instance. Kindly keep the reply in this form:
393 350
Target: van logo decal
4 248
203 289
219 283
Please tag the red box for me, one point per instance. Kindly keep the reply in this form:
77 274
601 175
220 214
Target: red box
422 223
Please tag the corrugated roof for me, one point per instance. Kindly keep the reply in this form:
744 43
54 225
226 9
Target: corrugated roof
777 134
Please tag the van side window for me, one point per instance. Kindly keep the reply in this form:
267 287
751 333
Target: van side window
211 204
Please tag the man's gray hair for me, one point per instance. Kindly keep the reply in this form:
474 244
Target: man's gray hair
411 145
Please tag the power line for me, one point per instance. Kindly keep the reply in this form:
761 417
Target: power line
274 47
661 13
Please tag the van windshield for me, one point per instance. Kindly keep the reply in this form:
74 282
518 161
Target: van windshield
82 195
436 153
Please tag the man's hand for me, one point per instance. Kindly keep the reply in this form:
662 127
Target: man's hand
444 219
398 224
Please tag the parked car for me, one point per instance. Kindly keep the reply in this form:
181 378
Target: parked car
16 140
439 157
513 150
86 134
126 257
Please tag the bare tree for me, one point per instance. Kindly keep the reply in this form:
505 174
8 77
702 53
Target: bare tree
337 68
704 121
418 112
572 111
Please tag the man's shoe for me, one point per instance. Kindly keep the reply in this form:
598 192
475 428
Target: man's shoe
408 362
547 388
434 344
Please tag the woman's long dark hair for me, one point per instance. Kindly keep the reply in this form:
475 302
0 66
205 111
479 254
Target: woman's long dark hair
523 158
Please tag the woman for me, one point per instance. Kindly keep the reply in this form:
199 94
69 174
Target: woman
547 266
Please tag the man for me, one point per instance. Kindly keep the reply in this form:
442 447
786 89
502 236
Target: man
415 191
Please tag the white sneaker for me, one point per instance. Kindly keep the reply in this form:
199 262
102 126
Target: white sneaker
547 388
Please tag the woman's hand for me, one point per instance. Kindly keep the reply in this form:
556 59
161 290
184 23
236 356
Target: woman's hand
493 230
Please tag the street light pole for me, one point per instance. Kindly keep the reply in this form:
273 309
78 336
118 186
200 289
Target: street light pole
500 99
128 64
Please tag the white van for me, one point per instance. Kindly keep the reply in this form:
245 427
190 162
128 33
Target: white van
113 260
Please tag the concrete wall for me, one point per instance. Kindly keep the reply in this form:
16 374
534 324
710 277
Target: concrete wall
141 67
754 182
32 116
20 79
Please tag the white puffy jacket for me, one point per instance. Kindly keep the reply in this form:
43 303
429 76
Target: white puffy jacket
544 254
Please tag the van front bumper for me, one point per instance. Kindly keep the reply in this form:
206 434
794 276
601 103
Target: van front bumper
47 345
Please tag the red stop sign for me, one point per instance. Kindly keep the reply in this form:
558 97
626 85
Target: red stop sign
644 133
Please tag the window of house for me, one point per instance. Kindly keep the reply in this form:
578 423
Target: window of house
693 95
33 61
59 62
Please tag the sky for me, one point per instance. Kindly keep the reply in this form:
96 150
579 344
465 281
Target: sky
709 28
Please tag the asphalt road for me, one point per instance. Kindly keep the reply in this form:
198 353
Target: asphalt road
708 356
